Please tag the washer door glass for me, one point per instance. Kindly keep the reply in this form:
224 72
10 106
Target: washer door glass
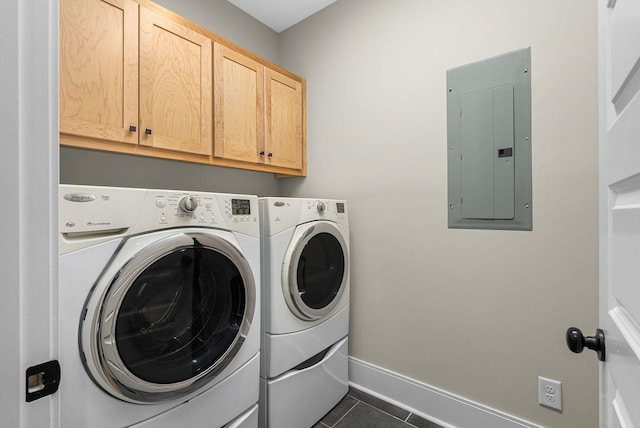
173 317
180 315
317 271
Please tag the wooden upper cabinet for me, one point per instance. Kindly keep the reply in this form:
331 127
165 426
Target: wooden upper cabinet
238 106
131 75
99 69
258 112
175 86
284 114
136 78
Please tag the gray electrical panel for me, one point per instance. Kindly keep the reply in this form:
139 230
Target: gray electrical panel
489 143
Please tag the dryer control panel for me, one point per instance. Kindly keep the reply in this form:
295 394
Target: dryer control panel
324 209
279 214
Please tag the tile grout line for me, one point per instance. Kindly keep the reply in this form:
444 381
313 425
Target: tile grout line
388 414
407 420
345 413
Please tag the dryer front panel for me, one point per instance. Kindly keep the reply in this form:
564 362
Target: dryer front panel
315 270
172 317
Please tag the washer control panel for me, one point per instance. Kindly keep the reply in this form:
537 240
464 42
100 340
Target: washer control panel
96 209
205 209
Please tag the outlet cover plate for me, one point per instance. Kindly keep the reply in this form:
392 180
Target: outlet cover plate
550 393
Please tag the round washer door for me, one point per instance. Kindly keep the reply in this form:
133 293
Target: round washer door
315 270
170 320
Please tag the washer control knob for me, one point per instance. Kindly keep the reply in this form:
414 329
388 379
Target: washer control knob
321 207
188 204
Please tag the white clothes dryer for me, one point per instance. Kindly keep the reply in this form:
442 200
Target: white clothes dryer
305 308
158 309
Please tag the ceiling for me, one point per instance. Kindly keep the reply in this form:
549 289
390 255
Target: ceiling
281 14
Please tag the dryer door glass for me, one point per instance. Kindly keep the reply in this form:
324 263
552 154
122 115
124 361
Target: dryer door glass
180 315
320 271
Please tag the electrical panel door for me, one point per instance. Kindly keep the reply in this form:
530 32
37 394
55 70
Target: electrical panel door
489 143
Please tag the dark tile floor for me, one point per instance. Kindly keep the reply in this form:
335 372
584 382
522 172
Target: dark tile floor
361 410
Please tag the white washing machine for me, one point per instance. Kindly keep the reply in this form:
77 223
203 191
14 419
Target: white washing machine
159 308
305 307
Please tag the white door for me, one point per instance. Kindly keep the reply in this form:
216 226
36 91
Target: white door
619 33
29 177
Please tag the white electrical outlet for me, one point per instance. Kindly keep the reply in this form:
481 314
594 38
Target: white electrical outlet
550 393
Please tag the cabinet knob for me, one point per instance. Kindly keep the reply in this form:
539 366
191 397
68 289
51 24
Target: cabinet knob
262 153
270 154
133 128
147 131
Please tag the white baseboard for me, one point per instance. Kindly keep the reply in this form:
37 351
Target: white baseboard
431 403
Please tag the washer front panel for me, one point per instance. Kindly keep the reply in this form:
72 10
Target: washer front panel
170 319
315 270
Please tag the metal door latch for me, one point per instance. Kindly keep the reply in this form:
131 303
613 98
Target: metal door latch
42 380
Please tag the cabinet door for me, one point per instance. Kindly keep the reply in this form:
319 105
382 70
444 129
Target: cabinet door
238 106
99 69
175 86
284 114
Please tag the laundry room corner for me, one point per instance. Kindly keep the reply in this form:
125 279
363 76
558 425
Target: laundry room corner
457 310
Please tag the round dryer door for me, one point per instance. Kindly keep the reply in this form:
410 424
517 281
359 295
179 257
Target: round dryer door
315 270
171 319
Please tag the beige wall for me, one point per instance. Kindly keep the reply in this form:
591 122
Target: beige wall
480 314
226 20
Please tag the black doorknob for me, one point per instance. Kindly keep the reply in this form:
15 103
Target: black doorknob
577 342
